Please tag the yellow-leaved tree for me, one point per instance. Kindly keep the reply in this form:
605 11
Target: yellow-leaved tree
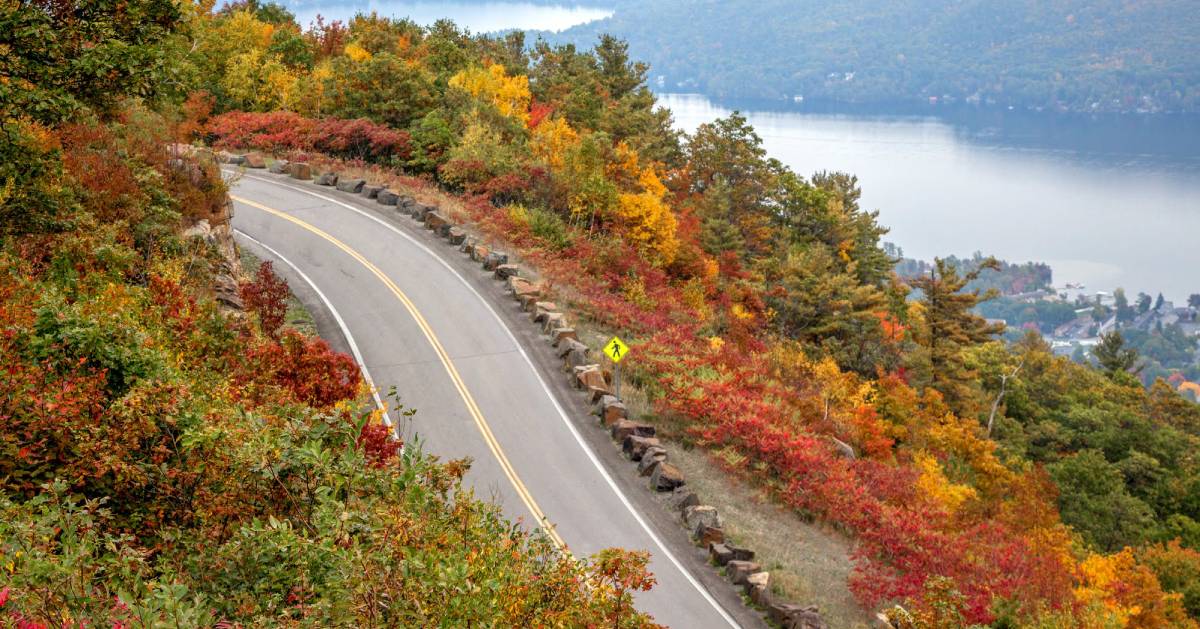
1128 592
509 94
934 486
219 42
256 82
642 214
551 141
357 53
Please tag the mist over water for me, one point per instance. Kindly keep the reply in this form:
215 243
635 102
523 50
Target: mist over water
1105 201
483 17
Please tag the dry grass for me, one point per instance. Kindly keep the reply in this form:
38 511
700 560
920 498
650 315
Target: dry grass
809 564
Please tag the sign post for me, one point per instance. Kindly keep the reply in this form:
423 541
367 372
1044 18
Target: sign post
616 350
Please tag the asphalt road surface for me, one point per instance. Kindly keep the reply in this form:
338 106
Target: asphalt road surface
421 320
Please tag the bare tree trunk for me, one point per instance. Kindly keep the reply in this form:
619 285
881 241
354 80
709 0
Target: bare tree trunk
1000 396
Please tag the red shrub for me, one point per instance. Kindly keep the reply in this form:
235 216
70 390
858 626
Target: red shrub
271 131
360 139
282 131
377 444
317 375
266 296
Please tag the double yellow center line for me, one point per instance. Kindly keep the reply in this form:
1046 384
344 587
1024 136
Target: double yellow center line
463 392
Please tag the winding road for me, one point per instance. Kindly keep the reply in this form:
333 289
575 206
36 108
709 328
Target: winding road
419 317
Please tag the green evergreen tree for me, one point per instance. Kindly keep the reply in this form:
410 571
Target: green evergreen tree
1125 312
1143 303
951 326
1112 354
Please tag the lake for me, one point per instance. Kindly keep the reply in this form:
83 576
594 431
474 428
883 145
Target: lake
479 17
1106 201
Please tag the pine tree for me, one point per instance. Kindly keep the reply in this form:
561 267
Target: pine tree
1125 312
1113 356
1143 303
951 327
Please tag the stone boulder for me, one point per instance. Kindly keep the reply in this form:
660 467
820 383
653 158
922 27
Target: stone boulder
300 170
652 455
588 376
706 535
596 393
505 271
227 291
741 554
634 446
626 428
604 403
553 321
371 190
327 179
758 588
666 477
494 259
522 287
720 554
738 571
614 412
570 346
480 252
386 197
758 579
564 334
541 309
406 203
254 160
456 235
576 356
435 221
225 157
279 167
701 515
682 499
791 616
420 210
351 185
759 595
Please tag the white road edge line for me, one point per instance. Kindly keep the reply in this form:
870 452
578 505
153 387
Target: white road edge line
362 365
562 413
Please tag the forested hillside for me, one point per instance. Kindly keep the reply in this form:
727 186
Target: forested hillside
979 482
1083 55
172 455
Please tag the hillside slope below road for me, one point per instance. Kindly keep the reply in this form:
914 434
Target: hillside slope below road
553 466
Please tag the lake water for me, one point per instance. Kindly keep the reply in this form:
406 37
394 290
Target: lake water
1105 201
481 17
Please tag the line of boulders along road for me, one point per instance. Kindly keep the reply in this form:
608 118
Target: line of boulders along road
637 439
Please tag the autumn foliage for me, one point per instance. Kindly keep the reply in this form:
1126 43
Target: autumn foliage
167 461
980 483
283 132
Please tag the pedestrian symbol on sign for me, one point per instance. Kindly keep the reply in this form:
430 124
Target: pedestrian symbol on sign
616 350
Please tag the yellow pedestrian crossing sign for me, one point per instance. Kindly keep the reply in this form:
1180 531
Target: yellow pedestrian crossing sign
616 349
